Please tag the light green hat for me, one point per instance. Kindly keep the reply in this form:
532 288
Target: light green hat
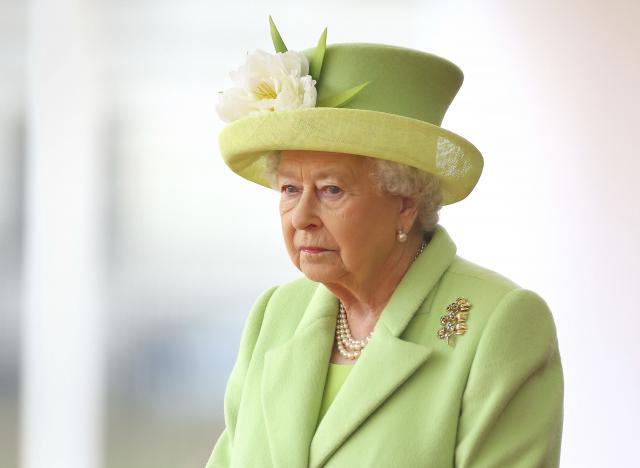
374 100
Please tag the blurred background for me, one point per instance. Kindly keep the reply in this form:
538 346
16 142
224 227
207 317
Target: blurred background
130 255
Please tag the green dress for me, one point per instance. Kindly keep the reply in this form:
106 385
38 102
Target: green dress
336 375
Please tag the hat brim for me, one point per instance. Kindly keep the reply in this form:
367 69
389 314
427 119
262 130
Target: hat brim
457 164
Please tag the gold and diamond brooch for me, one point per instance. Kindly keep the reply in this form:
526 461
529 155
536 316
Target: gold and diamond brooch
455 320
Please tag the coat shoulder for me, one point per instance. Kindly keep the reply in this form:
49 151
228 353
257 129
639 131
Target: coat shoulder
490 293
482 287
487 284
463 269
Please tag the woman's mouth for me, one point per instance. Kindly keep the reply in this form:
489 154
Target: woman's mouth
312 250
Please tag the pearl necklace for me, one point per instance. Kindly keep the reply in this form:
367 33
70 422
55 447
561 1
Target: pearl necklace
349 347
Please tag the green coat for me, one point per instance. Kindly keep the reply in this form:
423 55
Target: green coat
494 399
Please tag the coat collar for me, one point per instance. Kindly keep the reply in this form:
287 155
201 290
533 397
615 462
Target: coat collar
295 371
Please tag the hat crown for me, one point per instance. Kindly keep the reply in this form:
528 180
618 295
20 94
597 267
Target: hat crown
403 81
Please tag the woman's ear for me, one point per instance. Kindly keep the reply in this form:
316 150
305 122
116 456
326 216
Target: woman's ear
408 212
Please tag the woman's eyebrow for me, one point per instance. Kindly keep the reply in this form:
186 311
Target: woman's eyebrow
322 174
287 173
330 173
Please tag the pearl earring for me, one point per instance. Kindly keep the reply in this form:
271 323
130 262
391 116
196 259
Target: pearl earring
401 236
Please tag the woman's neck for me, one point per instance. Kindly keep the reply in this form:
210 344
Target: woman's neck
365 302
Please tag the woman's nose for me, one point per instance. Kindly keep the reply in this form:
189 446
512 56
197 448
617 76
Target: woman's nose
305 213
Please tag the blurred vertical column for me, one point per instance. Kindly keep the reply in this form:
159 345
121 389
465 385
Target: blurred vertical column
62 344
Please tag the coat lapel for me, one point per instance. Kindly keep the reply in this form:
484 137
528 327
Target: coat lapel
295 372
385 365
388 360
293 382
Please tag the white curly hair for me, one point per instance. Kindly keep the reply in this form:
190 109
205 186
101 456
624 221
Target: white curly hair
392 178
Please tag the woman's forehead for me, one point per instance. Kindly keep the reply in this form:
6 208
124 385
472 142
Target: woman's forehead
318 164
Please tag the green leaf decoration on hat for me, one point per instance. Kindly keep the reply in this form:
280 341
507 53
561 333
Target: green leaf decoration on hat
342 97
278 43
315 67
315 62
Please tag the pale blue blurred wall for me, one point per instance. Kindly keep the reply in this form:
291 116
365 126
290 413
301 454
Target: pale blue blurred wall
12 48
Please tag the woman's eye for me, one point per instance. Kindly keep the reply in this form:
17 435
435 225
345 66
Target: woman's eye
288 188
333 189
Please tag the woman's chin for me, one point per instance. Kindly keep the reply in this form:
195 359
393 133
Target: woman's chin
318 273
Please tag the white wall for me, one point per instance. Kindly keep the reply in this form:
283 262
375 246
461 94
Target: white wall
550 98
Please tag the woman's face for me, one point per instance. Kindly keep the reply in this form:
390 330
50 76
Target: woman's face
337 226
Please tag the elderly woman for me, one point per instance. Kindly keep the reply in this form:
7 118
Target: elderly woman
391 350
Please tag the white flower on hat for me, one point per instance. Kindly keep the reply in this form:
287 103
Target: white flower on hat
281 81
268 83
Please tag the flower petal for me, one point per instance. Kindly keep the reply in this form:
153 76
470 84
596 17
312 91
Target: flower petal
233 104
267 83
